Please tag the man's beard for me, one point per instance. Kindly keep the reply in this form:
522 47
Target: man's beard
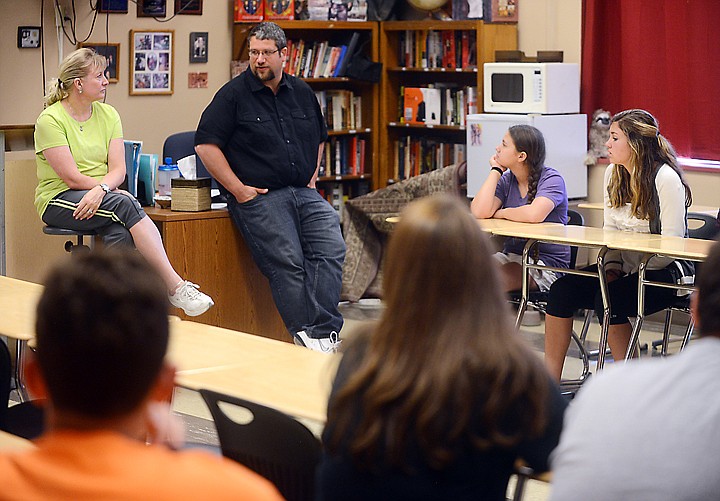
270 75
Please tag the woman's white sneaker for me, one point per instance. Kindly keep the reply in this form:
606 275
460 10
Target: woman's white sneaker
190 299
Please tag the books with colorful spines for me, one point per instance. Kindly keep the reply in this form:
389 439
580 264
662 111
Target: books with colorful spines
448 49
339 62
319 59
332 61
307 65
352 45
279 9
353 156
249 10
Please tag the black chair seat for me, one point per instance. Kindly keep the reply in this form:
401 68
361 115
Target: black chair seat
67 232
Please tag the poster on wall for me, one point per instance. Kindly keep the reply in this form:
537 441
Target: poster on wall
151 62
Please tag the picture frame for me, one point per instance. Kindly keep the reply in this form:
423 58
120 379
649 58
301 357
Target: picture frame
28 37
111 51
199 47
114 6
151 8
151 62
193 7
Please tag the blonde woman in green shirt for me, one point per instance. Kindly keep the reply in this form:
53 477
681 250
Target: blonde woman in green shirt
80 158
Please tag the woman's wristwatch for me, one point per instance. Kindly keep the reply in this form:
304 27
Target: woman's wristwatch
105 188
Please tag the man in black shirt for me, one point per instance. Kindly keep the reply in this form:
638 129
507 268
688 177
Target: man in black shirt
262 138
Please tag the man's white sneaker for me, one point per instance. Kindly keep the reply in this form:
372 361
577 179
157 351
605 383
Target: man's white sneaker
328 344
190 299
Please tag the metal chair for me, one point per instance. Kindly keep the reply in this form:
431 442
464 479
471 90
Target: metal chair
708 229
272 444
24 419
80 235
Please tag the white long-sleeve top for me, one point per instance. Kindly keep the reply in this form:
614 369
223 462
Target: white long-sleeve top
673 219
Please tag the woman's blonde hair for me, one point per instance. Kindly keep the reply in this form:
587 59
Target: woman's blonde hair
76 65
648 151
444 368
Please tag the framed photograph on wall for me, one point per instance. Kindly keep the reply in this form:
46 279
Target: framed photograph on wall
151 62
151 8
188 7
111 51
114 6
199 47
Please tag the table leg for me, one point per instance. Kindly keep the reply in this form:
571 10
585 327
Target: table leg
525 283
635 337
602 346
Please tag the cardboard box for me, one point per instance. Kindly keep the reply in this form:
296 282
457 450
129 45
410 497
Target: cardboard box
190 195
279 10
249 10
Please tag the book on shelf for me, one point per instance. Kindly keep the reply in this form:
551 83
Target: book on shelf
249 10
279 10
422 105
318 10
467 9
414 156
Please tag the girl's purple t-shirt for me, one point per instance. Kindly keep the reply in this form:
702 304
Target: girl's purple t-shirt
551 185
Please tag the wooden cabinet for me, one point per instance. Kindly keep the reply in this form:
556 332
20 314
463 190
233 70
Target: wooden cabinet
419 54
352 148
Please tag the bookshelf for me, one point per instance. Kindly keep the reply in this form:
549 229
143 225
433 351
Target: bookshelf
415 55
353 144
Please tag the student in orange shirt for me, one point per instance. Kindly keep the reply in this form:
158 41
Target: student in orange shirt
102 335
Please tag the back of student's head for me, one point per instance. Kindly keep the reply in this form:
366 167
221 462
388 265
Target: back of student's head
102 332
708 302
443 364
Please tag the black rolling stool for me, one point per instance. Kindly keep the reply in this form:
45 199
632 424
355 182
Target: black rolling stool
70 246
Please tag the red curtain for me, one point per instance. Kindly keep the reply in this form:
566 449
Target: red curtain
659 55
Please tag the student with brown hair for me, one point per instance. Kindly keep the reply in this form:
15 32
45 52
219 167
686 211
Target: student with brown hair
441 397
520 187
645 192
102 336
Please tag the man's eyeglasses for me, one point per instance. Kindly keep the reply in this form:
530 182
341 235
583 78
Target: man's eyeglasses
266 53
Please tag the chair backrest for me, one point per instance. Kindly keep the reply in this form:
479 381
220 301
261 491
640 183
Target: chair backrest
577 219
272 444
181 145
708 228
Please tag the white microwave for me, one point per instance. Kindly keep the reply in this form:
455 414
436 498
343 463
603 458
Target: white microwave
545 88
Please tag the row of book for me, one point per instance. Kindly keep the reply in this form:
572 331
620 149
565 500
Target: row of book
441 104
414 156
342 109
449 49
344 156
319 59
339 193
321 10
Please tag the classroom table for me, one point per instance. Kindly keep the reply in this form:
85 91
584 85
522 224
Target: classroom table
11 443
17 319
704 209
692 249
280 375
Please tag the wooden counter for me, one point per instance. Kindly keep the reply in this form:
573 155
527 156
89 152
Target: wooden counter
207 249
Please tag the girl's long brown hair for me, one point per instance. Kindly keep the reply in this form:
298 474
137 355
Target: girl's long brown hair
444 368
649 150
530 140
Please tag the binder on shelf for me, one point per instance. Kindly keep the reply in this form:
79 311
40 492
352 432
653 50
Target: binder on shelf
350 53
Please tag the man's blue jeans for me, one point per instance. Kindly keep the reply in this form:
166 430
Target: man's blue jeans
294 237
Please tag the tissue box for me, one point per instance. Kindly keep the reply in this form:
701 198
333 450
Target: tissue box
190 195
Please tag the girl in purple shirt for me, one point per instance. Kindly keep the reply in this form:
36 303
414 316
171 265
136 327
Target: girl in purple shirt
520 187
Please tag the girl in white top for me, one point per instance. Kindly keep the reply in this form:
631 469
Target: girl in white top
644 192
